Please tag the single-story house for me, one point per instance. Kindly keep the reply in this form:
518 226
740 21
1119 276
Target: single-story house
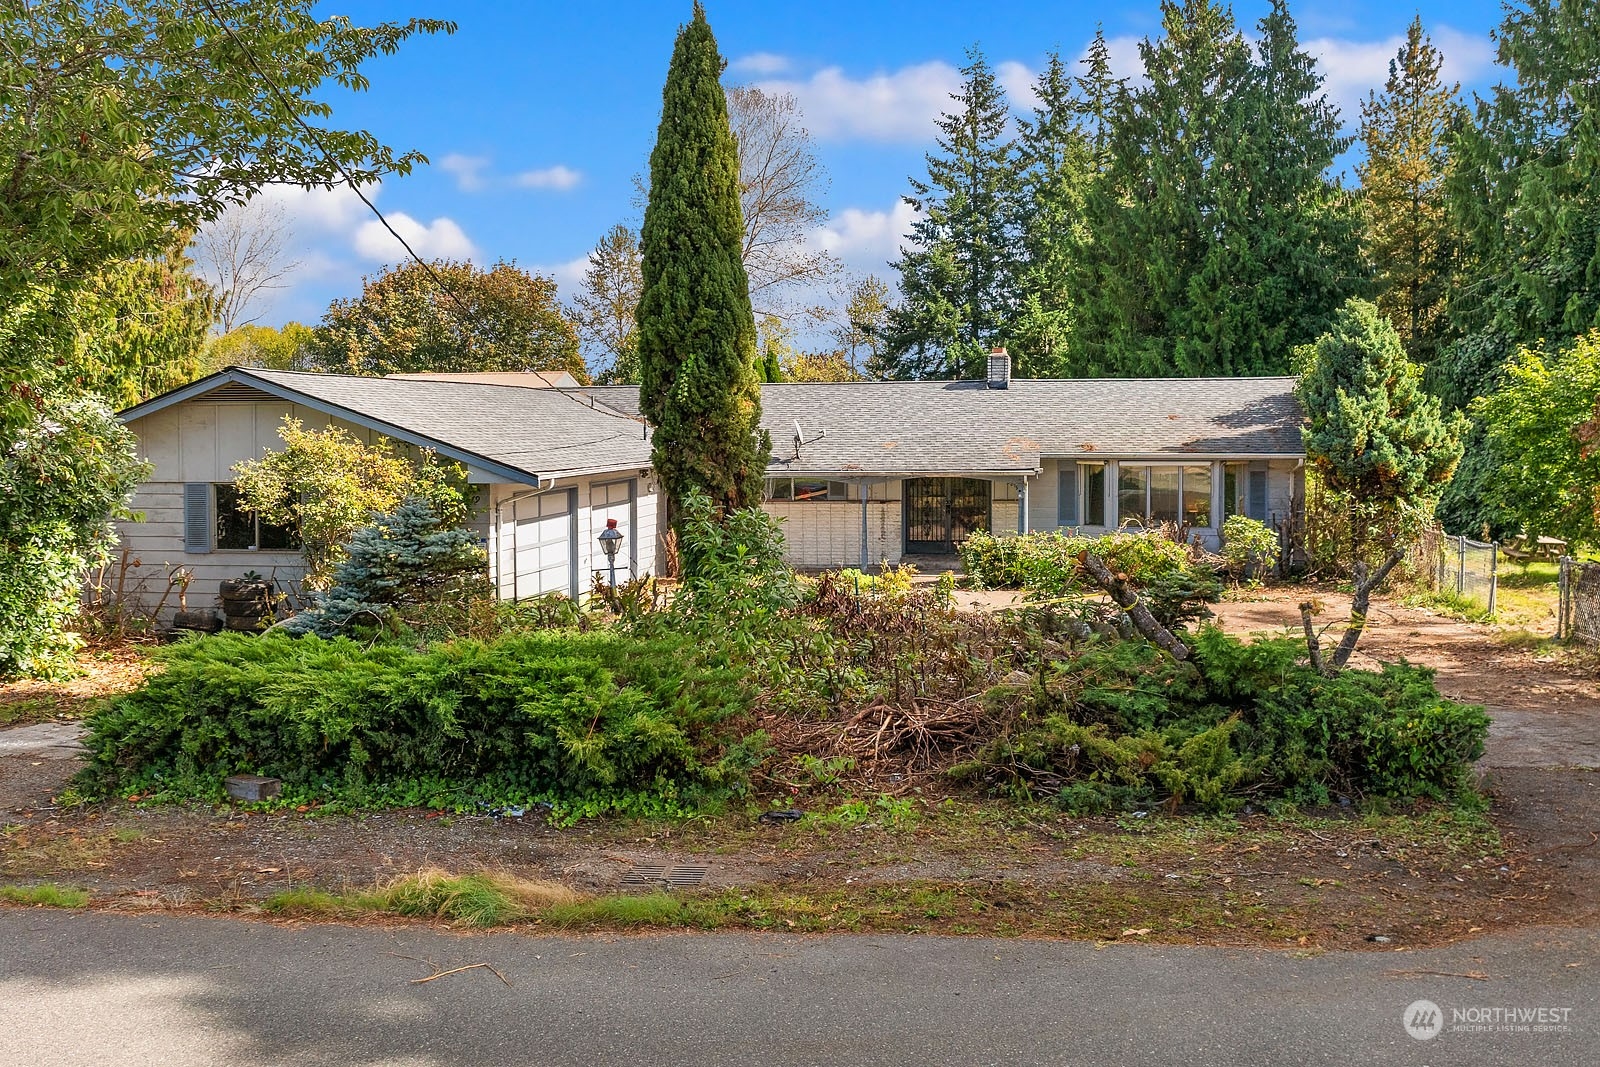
868 472
551 468
861 472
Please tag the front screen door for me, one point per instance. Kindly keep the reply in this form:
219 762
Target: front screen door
942 512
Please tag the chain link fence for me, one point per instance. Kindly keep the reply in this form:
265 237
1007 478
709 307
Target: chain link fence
1578 614
1469 569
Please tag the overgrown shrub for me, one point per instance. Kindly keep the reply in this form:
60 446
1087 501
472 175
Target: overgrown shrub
582 722
1121 725
1249 547
1046 564
65 472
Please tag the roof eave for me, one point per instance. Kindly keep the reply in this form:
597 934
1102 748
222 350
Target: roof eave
388 429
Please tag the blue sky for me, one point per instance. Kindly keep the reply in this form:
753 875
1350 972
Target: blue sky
536 117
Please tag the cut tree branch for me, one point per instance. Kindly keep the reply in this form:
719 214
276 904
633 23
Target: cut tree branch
1129 602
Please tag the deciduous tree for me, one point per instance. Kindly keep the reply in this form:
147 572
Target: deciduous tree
1544 425
697 333
326 484
606 305
405 321
244 255
124 123
780 187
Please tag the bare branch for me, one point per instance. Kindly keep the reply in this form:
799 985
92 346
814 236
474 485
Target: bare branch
243 254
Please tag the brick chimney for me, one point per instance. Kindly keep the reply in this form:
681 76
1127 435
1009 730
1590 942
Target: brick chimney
999 369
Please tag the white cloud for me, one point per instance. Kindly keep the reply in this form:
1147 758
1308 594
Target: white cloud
559 177
1018 80
468 171
762 64
897 106
866 240
439 239
1354 68
319 210
567 275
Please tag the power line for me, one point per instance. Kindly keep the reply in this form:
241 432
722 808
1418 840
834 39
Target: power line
288 106
316 140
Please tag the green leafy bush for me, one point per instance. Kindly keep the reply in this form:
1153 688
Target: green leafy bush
65 471
1250 547
583 722
1046 565
1121 725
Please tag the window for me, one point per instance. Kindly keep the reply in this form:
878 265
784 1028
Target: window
1147 496
1197 496
1081 495
798 489
241 530
1133 491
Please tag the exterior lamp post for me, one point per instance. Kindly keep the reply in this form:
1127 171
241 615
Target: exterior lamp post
610 542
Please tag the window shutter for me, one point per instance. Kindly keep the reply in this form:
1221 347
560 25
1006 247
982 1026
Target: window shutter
1257 503
1067 495
197 517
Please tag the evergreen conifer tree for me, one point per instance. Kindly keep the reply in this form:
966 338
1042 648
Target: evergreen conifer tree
400 562
1406 132
1220 243
960 280
1380 443
1056 158
699 385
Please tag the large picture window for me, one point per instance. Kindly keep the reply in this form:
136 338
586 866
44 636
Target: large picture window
1151 495
244 531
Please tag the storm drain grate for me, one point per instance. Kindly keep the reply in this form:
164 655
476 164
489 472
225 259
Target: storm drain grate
648 873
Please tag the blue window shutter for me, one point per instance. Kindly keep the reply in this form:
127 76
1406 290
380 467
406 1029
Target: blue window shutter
1067 495
197 516
1258 495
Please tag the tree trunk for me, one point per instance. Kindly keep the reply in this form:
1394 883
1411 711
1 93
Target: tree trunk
1365 585
1129 602
1313 641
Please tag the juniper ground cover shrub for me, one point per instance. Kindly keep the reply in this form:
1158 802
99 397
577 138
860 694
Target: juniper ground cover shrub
583 722
1119 725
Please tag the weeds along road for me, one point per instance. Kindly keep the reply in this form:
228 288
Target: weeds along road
80 990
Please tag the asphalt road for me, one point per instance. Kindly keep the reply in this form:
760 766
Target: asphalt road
79 990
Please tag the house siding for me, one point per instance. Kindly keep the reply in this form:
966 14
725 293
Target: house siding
826 535
200 441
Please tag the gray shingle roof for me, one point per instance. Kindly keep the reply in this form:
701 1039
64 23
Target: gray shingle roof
961 427
538 432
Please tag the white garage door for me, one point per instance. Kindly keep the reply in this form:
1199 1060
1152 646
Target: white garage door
614 500
539 540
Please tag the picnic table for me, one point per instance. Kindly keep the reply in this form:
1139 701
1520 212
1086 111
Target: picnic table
1550 549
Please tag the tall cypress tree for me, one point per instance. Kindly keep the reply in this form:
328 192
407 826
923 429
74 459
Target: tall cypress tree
1406 132
697 335
959 281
